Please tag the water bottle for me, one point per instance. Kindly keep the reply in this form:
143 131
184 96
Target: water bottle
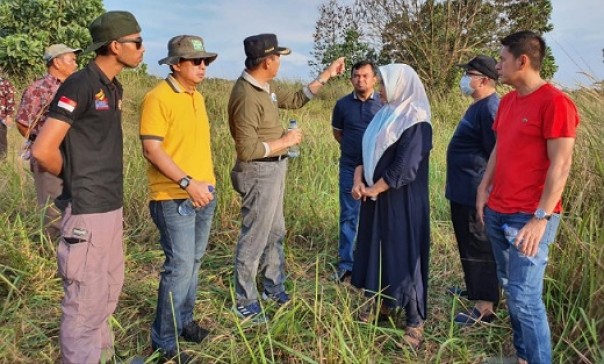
186 207
294 150
510 234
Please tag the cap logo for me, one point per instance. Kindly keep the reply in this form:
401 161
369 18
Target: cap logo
197 45
269 50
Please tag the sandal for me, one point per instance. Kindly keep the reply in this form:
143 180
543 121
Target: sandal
414 337
366 312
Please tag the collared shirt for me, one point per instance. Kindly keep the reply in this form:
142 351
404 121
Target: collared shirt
7 99
254 114
92 150
267 88
179 121
35 101
352 115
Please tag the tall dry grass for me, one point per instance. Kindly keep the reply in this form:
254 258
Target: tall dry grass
319 325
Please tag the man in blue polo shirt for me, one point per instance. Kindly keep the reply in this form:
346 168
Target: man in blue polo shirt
351 115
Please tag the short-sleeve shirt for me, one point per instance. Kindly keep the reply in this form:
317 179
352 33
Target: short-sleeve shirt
179 120
469 150
92 149
35 102
523 125
352 115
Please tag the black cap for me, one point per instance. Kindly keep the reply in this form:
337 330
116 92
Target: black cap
484 65
263 45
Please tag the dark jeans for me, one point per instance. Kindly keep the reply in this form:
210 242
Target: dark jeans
477 261
349 218
184 240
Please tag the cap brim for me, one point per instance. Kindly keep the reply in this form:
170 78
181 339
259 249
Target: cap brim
283 51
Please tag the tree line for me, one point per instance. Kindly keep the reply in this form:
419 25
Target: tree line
431 36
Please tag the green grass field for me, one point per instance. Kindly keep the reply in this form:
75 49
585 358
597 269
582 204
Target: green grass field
319 325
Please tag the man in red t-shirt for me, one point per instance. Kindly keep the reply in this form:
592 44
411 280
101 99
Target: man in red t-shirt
519 198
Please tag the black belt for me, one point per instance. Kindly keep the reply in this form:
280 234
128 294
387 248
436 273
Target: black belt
276 158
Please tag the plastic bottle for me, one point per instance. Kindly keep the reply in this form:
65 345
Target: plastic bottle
186 207
294 150
510 234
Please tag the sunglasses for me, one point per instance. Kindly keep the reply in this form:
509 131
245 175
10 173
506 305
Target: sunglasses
196 61
138 42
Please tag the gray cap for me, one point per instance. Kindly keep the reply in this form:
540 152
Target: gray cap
56 50
187 47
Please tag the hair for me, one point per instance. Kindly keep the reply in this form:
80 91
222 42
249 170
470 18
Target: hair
364 63
253 63
103 51
528 43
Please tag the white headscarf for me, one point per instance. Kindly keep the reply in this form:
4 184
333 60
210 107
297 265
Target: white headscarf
406 106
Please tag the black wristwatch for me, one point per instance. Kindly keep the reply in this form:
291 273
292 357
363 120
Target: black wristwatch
540 214
184 182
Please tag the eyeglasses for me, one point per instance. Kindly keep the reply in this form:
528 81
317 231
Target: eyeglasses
196 61
138 42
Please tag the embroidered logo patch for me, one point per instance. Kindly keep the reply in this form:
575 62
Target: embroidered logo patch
197 45
67 104
100 101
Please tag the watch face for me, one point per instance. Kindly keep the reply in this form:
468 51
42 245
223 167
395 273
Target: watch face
184 183
540 214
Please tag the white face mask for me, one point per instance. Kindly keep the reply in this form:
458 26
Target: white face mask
464 85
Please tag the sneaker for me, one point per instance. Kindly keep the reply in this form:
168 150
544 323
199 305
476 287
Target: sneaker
280 298
252 313
194 333
340 275
472 317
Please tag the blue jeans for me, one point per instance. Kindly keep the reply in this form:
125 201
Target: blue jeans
260 245
349 218
522 281
184 240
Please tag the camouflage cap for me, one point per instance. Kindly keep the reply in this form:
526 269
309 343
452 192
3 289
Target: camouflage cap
187 47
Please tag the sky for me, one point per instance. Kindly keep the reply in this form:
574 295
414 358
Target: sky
576 41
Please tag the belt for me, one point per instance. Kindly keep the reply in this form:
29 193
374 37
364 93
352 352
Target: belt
276 158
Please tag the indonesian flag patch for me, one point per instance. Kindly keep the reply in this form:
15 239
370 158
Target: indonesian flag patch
67 104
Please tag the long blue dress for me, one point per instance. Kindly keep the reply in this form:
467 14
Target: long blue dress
393 241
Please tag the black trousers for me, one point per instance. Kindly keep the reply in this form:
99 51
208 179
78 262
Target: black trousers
3 141
479 267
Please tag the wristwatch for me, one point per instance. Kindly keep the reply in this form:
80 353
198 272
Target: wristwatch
184 182
540 214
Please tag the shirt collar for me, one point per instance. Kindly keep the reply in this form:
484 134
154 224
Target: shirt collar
52 79
174 84
356 97
246 76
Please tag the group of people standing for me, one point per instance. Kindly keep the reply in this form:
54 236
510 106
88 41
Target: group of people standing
507 164
384 173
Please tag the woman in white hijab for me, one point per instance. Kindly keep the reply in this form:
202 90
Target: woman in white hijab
393 241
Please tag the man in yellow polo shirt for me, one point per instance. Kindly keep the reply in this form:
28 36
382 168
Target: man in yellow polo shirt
175 134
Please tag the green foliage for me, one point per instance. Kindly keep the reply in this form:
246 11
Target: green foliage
337 35
432 36
28 26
